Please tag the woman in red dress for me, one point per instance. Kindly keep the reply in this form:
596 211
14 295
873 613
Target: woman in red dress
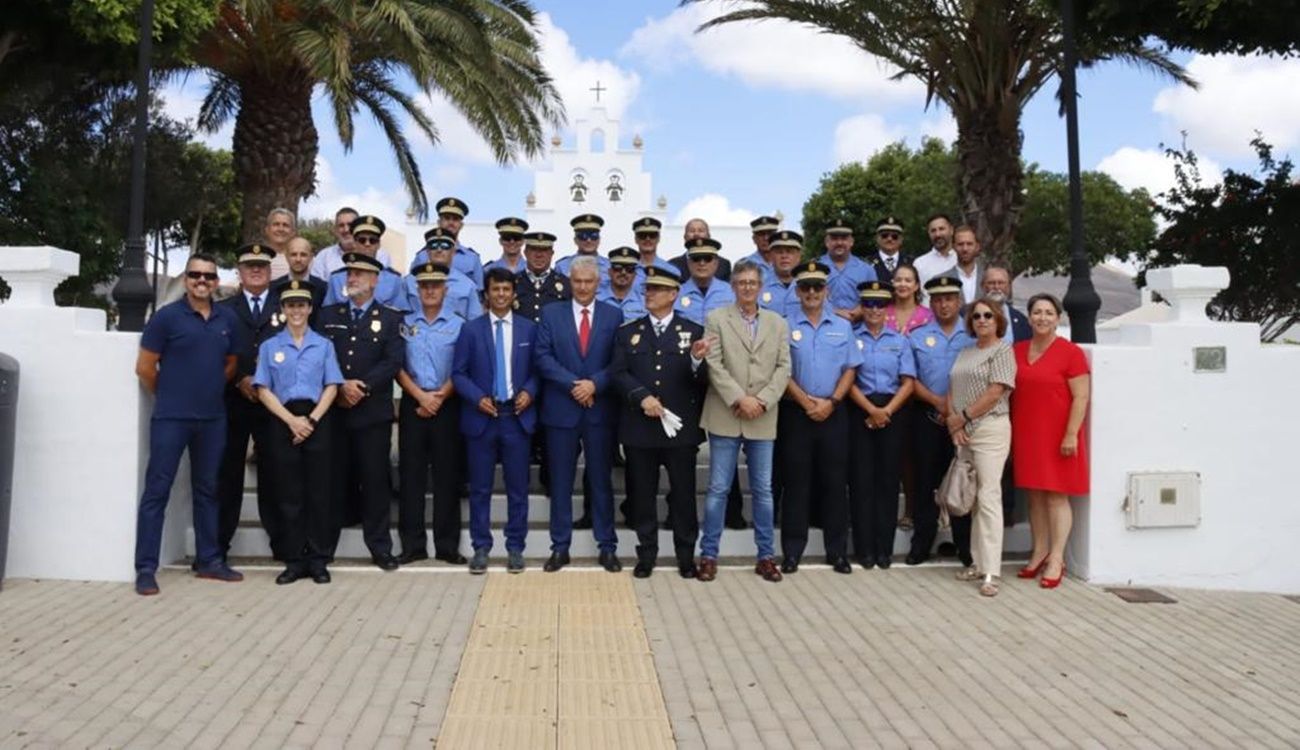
1049 458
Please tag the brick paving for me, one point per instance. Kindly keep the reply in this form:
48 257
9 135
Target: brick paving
898 658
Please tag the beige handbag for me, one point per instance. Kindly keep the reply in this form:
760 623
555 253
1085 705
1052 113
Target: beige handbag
956 495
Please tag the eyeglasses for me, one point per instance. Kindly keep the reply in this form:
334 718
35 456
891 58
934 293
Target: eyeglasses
874 304
201 275
889 235
587 235
981 316
366 240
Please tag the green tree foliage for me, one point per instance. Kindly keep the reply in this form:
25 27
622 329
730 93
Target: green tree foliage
319 232
1237 27
913 185
1249 223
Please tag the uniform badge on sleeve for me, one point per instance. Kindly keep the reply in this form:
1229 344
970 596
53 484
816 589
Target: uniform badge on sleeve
279 358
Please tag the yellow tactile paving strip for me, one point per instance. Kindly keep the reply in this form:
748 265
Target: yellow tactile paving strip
557 660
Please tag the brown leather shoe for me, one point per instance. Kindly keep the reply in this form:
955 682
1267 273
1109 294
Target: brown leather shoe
707 570
767 568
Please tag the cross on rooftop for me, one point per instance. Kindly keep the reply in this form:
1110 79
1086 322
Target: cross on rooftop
598 88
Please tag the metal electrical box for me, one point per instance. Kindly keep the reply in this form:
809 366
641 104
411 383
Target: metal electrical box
1163 498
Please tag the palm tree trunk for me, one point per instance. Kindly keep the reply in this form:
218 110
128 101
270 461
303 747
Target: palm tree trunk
988 155
275 146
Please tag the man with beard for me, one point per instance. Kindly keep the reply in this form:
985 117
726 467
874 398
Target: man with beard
539 285
761 232
389 290
299 255
330 259
623 291
968 269
847 271
889 244
941 256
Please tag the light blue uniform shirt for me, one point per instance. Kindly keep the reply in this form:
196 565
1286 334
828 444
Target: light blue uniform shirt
695 305
784 300
430 345
885 361
757 257
660 263
820 355
462 296
842 284
389 291
935 352
297 374
463 259
633 305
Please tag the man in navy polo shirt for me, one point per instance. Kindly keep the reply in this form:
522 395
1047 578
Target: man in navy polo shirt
187 354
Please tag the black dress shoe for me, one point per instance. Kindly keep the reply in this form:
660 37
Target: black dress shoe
841 565
965 559
409 556
946 549
789 565
866 561
884 561
556 561
916 558
687 570
320 576
643 569
582 523
289 575
455 558
737 524
385 562
609 561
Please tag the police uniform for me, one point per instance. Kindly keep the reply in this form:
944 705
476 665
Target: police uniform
368 342
298 374
766 225
315 285
586 223
532 293
887 365
430 442
693 303
781 297
935 351
462 295
648 225
884 271
248 419
465 259
389 289
632 303
653 358
842 287
509 227
811 452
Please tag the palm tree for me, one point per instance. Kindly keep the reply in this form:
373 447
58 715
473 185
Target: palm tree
983 59
266 58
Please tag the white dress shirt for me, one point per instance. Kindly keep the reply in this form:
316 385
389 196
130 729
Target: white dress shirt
261 298
969 290
577 315
934 263
330 259
885 258
508 332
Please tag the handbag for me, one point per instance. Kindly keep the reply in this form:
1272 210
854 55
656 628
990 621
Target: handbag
956 495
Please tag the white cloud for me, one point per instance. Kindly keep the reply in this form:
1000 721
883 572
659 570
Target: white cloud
1238 96
765 54
181 99
860 136
939 125
1136 168
715 209
388 204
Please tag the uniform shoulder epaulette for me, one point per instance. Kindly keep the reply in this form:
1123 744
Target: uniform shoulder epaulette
391 270
340 269
390 308
630 322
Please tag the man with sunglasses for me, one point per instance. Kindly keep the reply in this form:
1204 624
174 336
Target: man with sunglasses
187 354
510 233
586 235
451 219
389 288
623 292
703 293
847 271
646 231
330 259
695 229
762 229
889 243
462 297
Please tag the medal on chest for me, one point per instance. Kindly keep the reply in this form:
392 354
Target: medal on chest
683 340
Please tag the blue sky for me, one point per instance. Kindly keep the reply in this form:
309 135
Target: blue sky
746 119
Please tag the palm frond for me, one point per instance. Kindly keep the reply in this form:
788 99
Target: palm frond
220 103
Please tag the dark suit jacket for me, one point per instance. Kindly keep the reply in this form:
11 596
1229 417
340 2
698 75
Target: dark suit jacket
249 335
473 370
682 264
1020 329
646 365
882 272
370 350
318 290
561 365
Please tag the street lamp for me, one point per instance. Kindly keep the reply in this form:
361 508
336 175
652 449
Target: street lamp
1081 300
132 291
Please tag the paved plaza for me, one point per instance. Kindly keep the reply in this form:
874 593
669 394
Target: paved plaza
428 657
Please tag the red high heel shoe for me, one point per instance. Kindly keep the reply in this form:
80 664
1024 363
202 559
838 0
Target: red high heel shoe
1028 572
1051 583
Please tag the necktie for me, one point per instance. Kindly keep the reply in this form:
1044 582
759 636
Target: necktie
502 392
584 331
889 263
257 306
659 328
356 313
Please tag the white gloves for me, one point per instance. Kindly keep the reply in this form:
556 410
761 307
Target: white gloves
671 422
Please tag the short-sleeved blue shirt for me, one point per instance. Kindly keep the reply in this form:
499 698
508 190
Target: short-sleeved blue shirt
462 296
935 352
842 284
695 305
193 351
819 355
886 360
430 346
389 290
296 373
632 305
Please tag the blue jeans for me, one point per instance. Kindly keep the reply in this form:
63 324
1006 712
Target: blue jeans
168 439
723 454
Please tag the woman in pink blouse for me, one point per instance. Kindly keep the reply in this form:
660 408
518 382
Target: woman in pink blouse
907 313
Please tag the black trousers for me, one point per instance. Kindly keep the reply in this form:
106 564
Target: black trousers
363 482
424 444
934 451
245 420
873 481
302 490
643 492
813 454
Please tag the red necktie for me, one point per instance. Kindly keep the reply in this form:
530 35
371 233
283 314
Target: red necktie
584 331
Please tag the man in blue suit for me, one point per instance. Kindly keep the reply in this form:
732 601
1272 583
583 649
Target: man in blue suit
492 373
575 343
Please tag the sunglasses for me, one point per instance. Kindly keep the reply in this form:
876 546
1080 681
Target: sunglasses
509 238
981 316
701 258
889 235
806 287
587 235
621 268
874 304
201 275
646 236
366 240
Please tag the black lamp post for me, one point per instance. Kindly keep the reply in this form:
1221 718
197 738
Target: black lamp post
132 291
1081 299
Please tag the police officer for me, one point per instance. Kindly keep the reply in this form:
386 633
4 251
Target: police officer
646 232
848 271
451 218
889 243
623 292
812 425
539 285
780 293
658 369
428 424
761 230
883 387
510 233
704 292
586 235
297 381
255 308
390 290
461 297
368 340
935 347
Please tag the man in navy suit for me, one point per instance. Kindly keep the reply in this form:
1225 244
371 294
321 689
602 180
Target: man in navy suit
575 343
492 373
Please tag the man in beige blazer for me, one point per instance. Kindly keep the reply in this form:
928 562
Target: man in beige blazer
749 367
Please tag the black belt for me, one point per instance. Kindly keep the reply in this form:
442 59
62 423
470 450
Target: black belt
504 407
